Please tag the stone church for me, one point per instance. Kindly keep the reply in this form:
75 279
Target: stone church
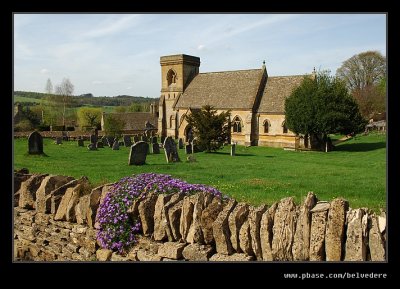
256 101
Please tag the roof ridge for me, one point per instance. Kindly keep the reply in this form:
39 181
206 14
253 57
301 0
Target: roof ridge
239 70
291 75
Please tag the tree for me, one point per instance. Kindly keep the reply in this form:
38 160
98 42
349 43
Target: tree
113 125
322 106
210 128
89 116
64 91
363 74
49 87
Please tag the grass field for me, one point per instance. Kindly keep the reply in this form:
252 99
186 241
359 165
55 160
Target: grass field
356 170
22 99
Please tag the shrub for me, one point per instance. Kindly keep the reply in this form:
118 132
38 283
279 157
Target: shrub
117 231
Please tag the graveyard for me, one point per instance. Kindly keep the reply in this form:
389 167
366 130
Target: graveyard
355 170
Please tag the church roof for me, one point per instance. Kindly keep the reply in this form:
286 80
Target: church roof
136 120
222 90
277 89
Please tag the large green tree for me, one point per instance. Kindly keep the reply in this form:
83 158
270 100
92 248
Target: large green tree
210 129
113 126
365 76
321 106
89 116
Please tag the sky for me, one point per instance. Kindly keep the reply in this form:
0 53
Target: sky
119 54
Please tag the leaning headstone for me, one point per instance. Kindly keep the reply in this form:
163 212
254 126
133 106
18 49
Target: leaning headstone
188 149
171 153
155 148
138 153
233 149
100 144
180 143
127 141
80 142
135 138
154 139
58 140
115 146
35 143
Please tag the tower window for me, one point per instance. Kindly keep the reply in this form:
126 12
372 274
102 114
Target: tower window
171 77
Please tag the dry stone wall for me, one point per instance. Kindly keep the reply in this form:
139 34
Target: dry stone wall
55 220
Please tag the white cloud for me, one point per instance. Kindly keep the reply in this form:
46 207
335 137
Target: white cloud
201 47
44 71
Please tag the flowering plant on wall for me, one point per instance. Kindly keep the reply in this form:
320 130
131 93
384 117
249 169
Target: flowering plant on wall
117 230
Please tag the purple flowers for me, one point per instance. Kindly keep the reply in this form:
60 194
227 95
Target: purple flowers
117 230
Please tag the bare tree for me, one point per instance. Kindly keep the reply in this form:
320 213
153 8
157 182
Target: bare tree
363 70
49 87
65 91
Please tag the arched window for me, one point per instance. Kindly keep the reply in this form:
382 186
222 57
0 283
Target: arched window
171 77
237 124
284 127
266 126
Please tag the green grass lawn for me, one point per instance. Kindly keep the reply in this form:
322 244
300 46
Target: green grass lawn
356 170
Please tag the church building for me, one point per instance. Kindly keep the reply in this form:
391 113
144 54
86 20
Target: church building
256 100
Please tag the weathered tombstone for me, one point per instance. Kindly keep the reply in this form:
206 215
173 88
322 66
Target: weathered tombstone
154 139
93 139
138 153
155 148
135 138
35 143
104 140
188 149
110 141
91 147
171 153
162 139
58 140
115 146
80 142
180 143
100 144
127 141
233 149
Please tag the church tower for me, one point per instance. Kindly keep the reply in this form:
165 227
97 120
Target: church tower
176 73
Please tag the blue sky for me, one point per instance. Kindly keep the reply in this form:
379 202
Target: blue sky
115 54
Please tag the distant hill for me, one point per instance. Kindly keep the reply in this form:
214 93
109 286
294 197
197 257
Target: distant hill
85 99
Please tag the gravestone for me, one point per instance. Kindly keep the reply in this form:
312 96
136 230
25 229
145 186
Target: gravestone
104 140
233 149
58 140
188 149
93 139
110 141
138 153
100 144
91 147
155 148
35 143
171 153
135 138
121 143
65 135
154 139
162 140
127 141
115 146
80 142
180 143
